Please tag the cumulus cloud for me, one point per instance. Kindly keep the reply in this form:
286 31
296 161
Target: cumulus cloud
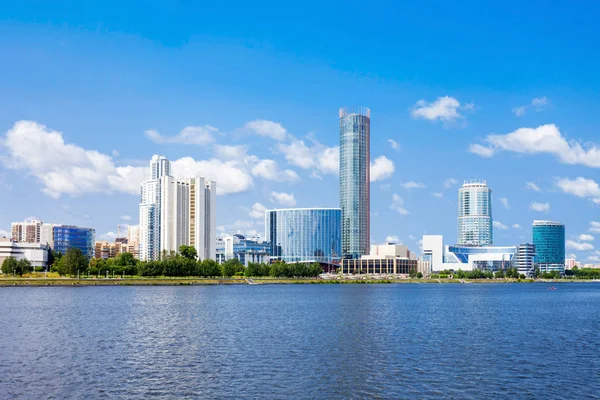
499 225
579 246
392 239
541 207
393 144
594 227
445 109
504 202
586 238
412 185
448 183
269 170
227 152
398 205
266 128
199 135
285 199
317 157
543 139
381 169
533 186
258 211
65 168
580 187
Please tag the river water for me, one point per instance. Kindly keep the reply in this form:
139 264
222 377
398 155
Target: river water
301 341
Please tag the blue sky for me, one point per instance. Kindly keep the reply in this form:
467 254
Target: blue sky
249 95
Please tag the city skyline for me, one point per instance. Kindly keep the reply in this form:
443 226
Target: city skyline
269 132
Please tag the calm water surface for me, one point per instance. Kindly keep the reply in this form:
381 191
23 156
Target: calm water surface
301 341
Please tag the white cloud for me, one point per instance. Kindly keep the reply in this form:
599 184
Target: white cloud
543 139
392 239
398 205
393 144
444 109
231 176
579 246
227 152
533 186
448 183
269 170
586 238
412 185
519 111
504 202
439 195
126 217
108 236
286 199
541 207
199 135
516 226
258 211
481 151
382 168
317 157
499 225
266 128
580 187
594 227
65 168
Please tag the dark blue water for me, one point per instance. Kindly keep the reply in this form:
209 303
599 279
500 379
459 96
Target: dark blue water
301 341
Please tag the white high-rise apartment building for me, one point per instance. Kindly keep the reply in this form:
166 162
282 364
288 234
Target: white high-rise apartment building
176 212
133 234
26 231
474 214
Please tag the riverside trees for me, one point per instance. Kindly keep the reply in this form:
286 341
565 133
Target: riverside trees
11 266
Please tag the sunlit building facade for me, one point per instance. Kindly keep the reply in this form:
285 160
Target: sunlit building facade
66 237
475 214
355 131
304 234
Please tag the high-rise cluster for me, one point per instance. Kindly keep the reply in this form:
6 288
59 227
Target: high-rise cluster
176 212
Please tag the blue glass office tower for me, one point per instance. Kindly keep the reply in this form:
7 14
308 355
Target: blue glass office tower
549 241
304 234
355 132
66 237
475 214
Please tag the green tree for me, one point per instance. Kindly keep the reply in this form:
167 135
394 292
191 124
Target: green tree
419 275
188 252
24 266
499 274
231 267
413 273
9 265
73 262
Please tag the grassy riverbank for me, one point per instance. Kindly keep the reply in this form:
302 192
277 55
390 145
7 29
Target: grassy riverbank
168 281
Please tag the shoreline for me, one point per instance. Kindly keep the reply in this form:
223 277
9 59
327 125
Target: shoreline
164 281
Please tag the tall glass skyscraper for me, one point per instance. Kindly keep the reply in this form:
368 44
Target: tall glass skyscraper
475 214
549 241
355 154
303 234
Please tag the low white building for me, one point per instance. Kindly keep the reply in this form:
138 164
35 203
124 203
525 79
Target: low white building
36 253
465 258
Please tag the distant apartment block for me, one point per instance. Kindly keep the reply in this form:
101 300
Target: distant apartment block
58 237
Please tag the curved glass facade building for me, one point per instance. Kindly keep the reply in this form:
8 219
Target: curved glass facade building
355 158
304 234
549 241
475 214
66 237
